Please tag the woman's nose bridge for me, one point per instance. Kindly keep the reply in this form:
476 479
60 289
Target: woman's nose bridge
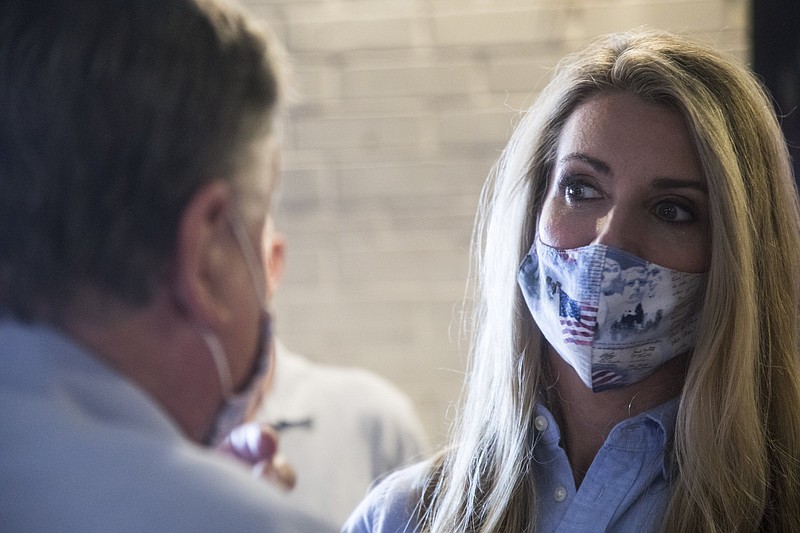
616 228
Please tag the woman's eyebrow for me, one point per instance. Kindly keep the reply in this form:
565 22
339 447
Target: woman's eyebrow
666 182
661 182
596 164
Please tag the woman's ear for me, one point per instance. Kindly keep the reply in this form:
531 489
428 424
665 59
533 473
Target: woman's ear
203 242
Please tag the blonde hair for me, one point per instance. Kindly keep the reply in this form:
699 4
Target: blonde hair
737 437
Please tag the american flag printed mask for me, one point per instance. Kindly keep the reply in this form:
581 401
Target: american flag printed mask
612 316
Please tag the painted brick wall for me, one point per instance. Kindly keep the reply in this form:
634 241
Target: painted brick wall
400 109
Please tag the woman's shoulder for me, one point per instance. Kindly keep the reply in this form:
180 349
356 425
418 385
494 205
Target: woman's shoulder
391 504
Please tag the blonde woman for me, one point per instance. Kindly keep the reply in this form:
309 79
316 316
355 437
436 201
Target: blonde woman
656 152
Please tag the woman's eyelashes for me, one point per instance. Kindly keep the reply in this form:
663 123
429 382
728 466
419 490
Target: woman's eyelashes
580 189
675 212
575 188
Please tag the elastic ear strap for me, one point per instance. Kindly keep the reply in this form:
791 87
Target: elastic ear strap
250 258
220 361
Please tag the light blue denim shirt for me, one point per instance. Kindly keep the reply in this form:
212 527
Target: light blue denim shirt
83 448
627 487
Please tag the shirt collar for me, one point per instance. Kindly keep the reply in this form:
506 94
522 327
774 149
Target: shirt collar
665 416
661 418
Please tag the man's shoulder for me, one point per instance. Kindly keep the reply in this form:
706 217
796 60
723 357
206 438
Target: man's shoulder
214 493
83 449
114 478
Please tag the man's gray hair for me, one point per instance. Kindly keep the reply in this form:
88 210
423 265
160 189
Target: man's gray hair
113 114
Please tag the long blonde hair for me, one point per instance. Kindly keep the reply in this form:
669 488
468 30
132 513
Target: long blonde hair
737 438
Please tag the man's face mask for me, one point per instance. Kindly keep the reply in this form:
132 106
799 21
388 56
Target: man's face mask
235 400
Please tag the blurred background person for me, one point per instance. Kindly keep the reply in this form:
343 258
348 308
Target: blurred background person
137 160
340 428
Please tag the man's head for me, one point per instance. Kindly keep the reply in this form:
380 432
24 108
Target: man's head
137 160
114 114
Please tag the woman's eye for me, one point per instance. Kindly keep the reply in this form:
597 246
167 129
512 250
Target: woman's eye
673 212
580 191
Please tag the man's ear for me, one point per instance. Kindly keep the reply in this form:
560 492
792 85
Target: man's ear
199 273
275 259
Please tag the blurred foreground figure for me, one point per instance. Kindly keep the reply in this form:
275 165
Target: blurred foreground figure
136 167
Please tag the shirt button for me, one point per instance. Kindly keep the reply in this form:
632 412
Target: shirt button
560 494
540 423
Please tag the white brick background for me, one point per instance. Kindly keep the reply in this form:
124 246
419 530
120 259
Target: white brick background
401 107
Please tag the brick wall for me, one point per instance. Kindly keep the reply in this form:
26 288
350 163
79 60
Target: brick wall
400 108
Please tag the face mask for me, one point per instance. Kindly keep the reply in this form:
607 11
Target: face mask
613 317
235 402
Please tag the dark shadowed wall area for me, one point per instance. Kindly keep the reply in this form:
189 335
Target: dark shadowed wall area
775 44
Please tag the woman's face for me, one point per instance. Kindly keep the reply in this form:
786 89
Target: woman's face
626 174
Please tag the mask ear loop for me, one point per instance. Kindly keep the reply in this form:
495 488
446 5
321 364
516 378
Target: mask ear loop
250 259
220 361
258 277
211 340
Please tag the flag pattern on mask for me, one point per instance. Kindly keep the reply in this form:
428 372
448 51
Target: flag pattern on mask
603 379
578 321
